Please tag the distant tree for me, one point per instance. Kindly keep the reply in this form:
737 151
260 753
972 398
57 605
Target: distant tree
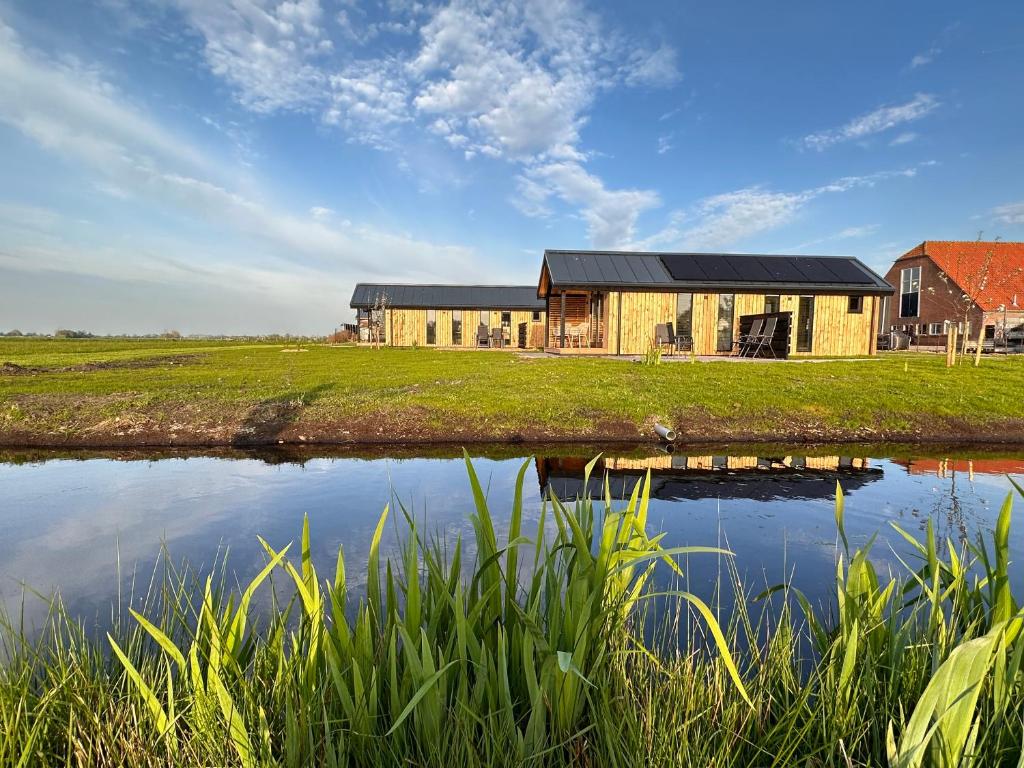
65 333
170 335
15 332
378 316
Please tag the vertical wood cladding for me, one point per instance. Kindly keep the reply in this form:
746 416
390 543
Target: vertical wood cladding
408 327
628 320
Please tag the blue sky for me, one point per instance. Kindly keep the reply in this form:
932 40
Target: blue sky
237 165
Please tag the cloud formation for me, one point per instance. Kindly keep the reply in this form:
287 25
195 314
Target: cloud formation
497 80
877 121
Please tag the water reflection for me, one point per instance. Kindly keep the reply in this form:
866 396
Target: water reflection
676 477
66 521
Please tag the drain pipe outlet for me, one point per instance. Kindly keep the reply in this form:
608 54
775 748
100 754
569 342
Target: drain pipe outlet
665 433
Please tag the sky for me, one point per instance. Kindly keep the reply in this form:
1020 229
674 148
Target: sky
236 166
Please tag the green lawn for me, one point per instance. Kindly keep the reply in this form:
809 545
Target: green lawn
120 392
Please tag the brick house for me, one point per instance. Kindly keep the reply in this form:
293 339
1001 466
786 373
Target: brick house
943 282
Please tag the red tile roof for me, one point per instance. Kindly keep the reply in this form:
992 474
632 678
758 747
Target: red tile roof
964 262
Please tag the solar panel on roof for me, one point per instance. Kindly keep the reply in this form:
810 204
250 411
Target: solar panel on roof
813 270
749 268
781 270
848 272
716 267
682 266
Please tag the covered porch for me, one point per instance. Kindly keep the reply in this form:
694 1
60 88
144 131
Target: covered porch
577 323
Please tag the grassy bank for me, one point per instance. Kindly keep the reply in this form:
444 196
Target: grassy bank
538 653
93 392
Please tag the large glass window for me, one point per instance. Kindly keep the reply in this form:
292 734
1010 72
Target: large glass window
457 327
855 305
910 292
725 305
771 304
431 326
805 324
684 314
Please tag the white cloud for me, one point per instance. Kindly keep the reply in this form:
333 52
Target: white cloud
725 219
130 156
367 99
611 215
1011 213
492 79
664 143
904 138
927 57
882 119
267 50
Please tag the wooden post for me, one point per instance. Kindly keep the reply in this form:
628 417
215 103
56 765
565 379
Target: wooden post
561 332
951 346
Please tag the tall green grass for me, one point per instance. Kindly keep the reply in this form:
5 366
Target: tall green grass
535 654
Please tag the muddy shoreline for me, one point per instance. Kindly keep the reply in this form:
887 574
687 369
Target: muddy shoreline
621 436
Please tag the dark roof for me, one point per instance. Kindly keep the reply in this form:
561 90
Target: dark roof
447 296
736 272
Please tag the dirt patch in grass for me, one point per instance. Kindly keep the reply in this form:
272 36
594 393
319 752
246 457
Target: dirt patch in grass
13 369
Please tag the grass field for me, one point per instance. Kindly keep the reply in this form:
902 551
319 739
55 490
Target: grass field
114 392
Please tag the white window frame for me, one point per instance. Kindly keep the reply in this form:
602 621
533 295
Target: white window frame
936 329
908 275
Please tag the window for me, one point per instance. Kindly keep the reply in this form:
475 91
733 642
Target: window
431 326
506 319
684 314
725 304
910 292
457 327
805 324
856 305
771 304
935 329
536 315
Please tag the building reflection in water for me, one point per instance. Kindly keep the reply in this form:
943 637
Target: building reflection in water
677 477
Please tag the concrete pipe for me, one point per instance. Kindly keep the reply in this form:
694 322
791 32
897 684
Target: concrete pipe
665 433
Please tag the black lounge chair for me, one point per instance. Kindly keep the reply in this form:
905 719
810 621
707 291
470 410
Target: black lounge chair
745 340
482 336
497 338
764 339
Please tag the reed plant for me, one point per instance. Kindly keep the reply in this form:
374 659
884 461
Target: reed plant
560 649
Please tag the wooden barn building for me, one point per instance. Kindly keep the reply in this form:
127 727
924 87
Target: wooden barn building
467 316
614 302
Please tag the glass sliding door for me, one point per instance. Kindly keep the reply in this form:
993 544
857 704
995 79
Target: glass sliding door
805 325
457 327
431 326
485 326
725 308
684 314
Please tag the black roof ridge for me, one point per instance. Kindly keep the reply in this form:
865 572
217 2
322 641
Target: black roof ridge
448 285
657 254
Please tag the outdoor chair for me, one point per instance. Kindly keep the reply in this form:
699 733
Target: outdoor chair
498 338
745 340
482 337
765 338
582 334
684 343
663 335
